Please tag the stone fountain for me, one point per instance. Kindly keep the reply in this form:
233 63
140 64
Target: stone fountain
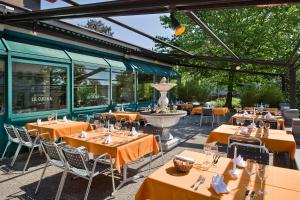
163 118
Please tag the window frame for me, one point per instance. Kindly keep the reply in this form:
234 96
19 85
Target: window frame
31 114
89 65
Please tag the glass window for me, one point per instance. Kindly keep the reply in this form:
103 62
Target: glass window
38 87
122 87
145 91
91 86
2 86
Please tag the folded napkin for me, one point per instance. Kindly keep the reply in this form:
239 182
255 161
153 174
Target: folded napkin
245 114
83 134
39 121
109 111
107 140
239 161
217 183
268 116
111 128
244 130
133 132
186 159
65 119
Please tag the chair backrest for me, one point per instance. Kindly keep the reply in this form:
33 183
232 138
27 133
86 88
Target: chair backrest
75 159
82 118
207 112
273 123
52 151
288 115
24 135
111 118
248 148
11 132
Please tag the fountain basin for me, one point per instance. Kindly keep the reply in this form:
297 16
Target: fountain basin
164 121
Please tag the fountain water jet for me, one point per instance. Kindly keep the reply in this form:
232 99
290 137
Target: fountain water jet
164 119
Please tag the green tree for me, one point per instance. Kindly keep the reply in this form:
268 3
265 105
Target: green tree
262 33
99 26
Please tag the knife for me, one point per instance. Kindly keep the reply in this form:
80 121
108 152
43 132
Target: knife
246 194
198 180
252 195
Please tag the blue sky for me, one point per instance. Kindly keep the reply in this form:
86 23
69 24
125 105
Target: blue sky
150 24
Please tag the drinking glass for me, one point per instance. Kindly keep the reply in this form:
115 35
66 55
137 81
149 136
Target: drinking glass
242 121
208 152
237 121
118 125
215 153
262 174
251 170
261 124
267 125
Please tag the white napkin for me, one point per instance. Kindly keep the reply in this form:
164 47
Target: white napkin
268 116
109 112
133 132
217 183
245 114
122 108
111 128
186 159
65 119
83 134
239 161
244 130
107 140
39 121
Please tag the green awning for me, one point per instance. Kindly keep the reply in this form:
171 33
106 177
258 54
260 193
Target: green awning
151 68
2 48
83 58
26 49
119 65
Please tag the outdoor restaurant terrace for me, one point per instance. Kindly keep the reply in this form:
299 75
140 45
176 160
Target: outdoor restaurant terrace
210 112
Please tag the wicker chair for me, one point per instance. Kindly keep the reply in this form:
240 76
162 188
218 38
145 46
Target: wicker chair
54 157
249 148
13 137
28 141
77 163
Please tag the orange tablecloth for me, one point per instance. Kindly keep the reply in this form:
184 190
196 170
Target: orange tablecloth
167 184
131 116
277 141
216 111
59 128
279 119
186 105
123 148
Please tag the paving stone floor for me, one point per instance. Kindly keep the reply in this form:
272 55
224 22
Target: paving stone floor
15 185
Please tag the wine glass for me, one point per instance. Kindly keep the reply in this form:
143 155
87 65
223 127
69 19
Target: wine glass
207 151
118 125
242 121
267 125
251 170
261 124
262 174
237 121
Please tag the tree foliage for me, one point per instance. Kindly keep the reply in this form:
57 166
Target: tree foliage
99 26
268 33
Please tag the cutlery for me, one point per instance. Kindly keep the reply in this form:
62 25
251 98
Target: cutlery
216 158
198 180
252 195
246 194
199 183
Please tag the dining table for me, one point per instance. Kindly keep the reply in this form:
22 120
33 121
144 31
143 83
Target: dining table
124 147
168 184
185 106
257 117
59 128
126 115
217 111
275 141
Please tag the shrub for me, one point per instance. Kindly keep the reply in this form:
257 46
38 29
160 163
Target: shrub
271 94
249 95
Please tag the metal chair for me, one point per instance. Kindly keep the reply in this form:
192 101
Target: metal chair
77 163
28 141
13 137
207 113
249 148
54 157
82 118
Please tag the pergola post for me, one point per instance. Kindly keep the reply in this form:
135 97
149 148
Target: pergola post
293 89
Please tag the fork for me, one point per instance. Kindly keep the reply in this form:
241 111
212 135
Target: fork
199 183
198 180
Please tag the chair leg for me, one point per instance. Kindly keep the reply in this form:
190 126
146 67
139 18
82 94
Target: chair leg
88 188
27 161
7 145
151 157
213 120
16 155
43 173
61 185
201 120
